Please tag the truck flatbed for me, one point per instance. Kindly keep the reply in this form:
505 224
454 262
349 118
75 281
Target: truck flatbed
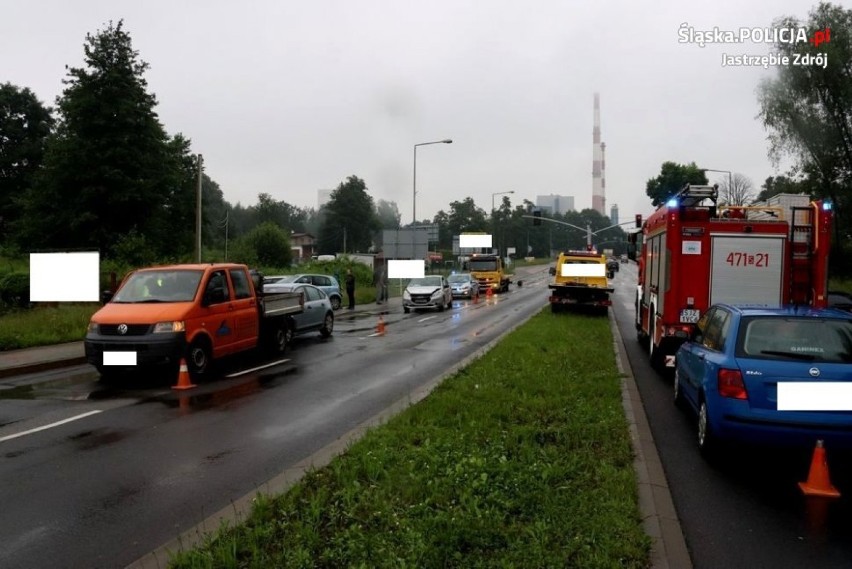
281 303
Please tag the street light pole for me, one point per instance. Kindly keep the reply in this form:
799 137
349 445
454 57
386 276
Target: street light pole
497 194
414 197
730 178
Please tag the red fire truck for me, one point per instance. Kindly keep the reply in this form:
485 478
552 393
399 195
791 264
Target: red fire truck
695 253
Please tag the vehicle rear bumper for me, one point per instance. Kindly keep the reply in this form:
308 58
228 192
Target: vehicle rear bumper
788 428
150 349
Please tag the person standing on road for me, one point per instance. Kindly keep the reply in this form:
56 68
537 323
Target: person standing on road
350 288
381 285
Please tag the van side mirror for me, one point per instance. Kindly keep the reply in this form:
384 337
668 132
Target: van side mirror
106 296
214 296
552 271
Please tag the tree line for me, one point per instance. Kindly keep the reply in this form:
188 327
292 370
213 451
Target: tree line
807 113
100 170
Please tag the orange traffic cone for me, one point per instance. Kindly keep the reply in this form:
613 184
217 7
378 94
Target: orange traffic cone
818 483
489 292
183 377
380 327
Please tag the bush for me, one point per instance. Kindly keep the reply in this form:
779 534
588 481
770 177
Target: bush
267 245
15 290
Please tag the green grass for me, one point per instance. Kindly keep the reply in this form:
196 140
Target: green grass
522 459
45 325
841 284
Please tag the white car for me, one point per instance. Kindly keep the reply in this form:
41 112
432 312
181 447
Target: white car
428 292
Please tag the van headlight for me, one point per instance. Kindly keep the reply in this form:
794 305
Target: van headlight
94 328
176 326
406 295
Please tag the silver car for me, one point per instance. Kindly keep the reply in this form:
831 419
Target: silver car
427 292
317 315
463 284
326 283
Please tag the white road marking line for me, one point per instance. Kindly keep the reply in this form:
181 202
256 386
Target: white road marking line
427 318
43 427
239 373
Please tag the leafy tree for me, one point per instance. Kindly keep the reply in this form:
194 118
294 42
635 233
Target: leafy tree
281 213
672 178
266 245
110 168
466 216
24 127
350 219
807 109
388 214
445 237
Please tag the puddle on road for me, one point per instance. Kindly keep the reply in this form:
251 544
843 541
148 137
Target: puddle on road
146 388
225 392
74 387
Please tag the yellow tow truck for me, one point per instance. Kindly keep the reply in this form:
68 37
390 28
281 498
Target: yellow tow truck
490 272
580 279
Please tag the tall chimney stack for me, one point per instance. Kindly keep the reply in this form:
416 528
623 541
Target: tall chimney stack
598 200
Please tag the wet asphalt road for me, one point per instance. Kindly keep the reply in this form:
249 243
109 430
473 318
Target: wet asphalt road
147 463
747 511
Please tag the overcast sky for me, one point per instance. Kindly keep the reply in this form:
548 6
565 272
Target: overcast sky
289 97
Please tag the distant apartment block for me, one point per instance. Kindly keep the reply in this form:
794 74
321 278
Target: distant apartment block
613 214
555 204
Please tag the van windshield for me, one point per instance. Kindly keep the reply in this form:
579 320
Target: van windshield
159 286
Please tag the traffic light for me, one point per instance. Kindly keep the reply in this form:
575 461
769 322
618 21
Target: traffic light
537 216
638 220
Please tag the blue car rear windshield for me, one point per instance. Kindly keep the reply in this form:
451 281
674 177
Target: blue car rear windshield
809 339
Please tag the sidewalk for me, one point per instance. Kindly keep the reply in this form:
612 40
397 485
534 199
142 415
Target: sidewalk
42 358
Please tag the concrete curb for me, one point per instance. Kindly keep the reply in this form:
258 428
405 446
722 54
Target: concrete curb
239 510
659 517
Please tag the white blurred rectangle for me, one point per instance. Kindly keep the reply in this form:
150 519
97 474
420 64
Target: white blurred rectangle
119 358
406 269
65 277
813 396
474 241
583 270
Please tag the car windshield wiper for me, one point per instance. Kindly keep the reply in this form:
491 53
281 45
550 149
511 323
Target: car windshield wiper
793 355
149 300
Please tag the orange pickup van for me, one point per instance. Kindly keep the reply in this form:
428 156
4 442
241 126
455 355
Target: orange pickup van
198 312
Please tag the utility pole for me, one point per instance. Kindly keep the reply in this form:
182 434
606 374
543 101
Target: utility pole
198 211
226 235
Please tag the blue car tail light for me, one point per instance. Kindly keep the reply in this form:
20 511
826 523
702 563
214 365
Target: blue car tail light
730 384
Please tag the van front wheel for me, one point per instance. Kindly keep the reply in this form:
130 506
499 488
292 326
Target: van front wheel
199 357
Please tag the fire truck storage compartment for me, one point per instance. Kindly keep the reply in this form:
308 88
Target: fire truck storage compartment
746 269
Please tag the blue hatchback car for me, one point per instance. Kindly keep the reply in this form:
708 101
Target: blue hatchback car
728 374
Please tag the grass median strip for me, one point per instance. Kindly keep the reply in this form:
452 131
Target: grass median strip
522 459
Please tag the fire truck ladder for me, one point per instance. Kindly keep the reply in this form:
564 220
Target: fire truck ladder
802 252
